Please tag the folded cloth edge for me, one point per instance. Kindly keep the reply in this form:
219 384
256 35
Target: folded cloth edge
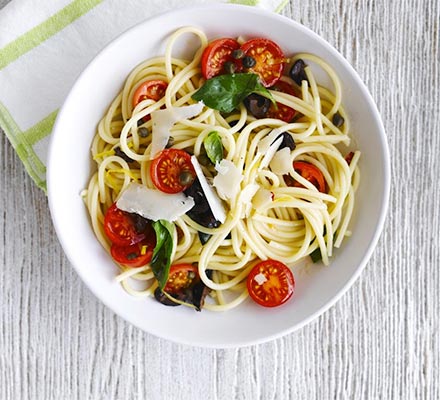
26 142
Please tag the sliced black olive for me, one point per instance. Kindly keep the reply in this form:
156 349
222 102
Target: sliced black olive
229 67
204 237
257 105
237 54
297 72
200 291
121 154
287 141
162 298
143 132
201 212
196 192
249 62
140 223
338 120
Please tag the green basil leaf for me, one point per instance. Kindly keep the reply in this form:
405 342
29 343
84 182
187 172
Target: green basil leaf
225 92
214 147
161 259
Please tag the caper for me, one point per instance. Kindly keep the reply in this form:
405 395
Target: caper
204 159
186 178
170 142
338 120
249 62
143 132
237 54
229 67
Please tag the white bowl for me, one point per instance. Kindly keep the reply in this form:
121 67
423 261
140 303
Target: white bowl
70 166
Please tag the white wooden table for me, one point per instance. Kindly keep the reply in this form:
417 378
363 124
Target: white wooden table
380 341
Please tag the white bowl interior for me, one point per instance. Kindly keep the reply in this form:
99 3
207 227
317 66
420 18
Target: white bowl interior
69 169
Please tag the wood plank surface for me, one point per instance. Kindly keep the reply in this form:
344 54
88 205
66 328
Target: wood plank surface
380 341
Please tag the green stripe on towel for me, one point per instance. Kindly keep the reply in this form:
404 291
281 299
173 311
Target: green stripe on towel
45 30
19 141
41 129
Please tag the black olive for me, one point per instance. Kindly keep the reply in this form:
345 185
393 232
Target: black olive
237 54
201 212
257 105
140 223
162 298
338 120
229 67
297 72
143 132
249 62
287 141
200 291
204 237
121 154
196 192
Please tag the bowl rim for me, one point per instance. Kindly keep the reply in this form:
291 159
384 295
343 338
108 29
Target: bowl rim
384 201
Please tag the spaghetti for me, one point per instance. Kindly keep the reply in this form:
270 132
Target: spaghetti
268 217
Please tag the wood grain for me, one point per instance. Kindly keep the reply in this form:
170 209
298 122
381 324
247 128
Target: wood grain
380 341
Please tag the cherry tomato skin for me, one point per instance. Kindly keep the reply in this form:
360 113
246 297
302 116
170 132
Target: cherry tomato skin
167 168
282 112
119 227
181 276
311 173
216 55
269 59
135 255
154 90
270 283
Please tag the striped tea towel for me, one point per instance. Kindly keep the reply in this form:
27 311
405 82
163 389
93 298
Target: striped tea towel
45 44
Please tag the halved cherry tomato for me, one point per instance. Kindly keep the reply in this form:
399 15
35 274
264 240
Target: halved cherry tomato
134 255
154 90
282 112
270 283
120 228
307 171
216 55
181 277
269 59
172 171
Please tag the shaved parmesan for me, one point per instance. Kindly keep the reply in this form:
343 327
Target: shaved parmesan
263 145
262 198
163 120
227 181
273 148
213 200
281 162
246 196
154 204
